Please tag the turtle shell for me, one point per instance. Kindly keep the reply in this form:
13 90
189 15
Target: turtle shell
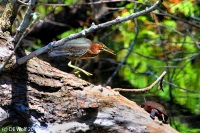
149 105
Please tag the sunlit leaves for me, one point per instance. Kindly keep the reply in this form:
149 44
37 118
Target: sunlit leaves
171 24
186 7
68 2
188 44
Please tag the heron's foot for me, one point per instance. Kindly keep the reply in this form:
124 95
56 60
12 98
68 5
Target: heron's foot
78 69
77 73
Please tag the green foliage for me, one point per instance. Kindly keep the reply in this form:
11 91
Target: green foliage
184 128
186 7
170 24
35 47
42 10
69 2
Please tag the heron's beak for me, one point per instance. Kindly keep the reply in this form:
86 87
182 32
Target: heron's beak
104 48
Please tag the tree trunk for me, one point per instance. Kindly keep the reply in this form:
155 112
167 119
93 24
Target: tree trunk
43 98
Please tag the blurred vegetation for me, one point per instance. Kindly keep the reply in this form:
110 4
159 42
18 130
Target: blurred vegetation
166 41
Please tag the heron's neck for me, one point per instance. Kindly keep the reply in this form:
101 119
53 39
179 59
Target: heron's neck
94 49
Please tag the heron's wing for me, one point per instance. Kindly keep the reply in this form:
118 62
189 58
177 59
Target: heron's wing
72 49
55 53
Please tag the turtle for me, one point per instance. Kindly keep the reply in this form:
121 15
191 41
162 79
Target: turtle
155 109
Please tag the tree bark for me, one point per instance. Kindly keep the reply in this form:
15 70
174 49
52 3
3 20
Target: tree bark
41 97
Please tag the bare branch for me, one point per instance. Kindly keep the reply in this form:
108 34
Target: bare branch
143 89
86 31
26 22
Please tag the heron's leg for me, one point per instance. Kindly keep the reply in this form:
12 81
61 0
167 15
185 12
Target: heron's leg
77 72
79 69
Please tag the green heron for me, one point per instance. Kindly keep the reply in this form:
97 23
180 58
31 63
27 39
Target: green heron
80 48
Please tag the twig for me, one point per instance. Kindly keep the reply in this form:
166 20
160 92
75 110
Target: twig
86 31
192 37
26 22
160 87
172 84
143 89
177 18
27 4
187 57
